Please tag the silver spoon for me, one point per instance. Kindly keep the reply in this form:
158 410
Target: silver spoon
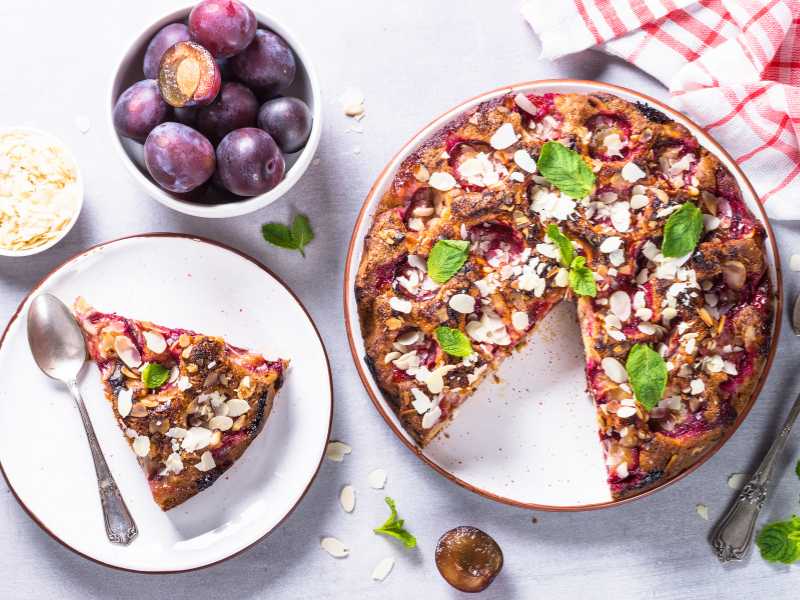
58 348
733 536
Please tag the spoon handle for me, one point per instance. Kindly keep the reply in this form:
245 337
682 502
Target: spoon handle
120 527
733 536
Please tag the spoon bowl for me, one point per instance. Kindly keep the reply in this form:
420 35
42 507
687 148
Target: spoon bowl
56 340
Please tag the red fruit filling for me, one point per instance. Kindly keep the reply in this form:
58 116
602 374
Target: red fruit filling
610 136
411 279
472 164
420 208
498 243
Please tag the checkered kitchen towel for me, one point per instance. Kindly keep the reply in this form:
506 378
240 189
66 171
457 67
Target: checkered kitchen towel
733 66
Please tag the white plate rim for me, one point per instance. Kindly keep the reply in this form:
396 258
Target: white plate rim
375 192
195 238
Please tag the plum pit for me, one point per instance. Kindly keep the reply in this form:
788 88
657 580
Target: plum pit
188 75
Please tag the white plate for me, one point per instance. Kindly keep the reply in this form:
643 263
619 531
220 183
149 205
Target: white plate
531 440
181 282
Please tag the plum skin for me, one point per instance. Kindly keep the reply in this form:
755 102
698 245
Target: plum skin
178 158
224 27
249 162
267 65
468 559
139 109
166 37
288 121
235 107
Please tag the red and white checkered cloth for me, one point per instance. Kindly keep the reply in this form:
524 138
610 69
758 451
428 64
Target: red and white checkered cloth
733 66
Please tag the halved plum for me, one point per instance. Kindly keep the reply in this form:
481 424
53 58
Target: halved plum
411 279
469 559
540 114
473 165
413 340
677 161
188 75
610 136
421 208
499 243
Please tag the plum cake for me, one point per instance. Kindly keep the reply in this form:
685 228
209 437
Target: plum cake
189 404
528 200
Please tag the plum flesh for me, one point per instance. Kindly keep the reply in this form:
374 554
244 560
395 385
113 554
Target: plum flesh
188 75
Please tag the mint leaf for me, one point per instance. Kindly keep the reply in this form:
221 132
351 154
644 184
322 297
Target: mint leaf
301 232
453 341
154 375
564 244
779 541
565 169
682 231
797 469
446 258
393 527
581 278
295 238
647 374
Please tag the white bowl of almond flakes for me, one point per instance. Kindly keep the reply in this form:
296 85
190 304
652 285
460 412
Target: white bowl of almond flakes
41 191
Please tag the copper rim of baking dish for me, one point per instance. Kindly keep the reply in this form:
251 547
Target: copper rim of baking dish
417 451
261 266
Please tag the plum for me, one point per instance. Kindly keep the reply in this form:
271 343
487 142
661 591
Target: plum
288 121
161 42
188 75
468 558
249 162
224 27
267 65
139 109
179 158
235 107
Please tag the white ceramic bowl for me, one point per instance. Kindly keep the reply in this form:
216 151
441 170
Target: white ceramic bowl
306 87
78 184
531 440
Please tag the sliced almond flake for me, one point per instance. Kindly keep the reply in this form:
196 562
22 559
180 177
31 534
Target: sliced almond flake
442 181
639 201
620 304
223 423
710 222
382 569
462 303
610 244
154 341
794 262
631 172
702 511
520 320
127 352
736 481
196 438
336 451
614 369
625 412
184 383
504 137
124 402
696 386
206 462
237 407
141 445
400 304
334 547
525 104
524 161
347 498
377 479
173 464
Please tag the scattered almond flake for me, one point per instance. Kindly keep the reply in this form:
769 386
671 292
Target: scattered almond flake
481 171
736 481
613 145
702 510
710 222
141 445
39 193
184 383
196 438
353 102
548 250
625 412
377 479
173 464
82 123
407 361
131 433
357 150
489 329
714 363
221 422
620 216
176 432
421 402
620 304
390 357
206 462
552 205
639 201
610 244
401 305
614 369
562 277
127 352
622 470
646 328
442 181
435 381
409 338
382 569
237 407
525 161
525 104
431 417
794 262
520 320
504 137
696 386
336 451
124 402
631 172
617 257
729 368
517 176
334 547
154 341
347 498
462 303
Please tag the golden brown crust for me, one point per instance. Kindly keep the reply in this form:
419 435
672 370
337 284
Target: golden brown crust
709 314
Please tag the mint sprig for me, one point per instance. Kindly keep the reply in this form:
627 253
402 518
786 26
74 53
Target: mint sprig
581 278
446 258
682 231
565 249
154 375
565 169
453 341
779 541
647 374
393 527
294 238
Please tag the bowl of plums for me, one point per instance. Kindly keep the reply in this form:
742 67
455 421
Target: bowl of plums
216 110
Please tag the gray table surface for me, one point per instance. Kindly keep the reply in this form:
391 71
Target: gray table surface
413 59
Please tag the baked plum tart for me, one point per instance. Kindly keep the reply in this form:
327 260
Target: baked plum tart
189 404
528 200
